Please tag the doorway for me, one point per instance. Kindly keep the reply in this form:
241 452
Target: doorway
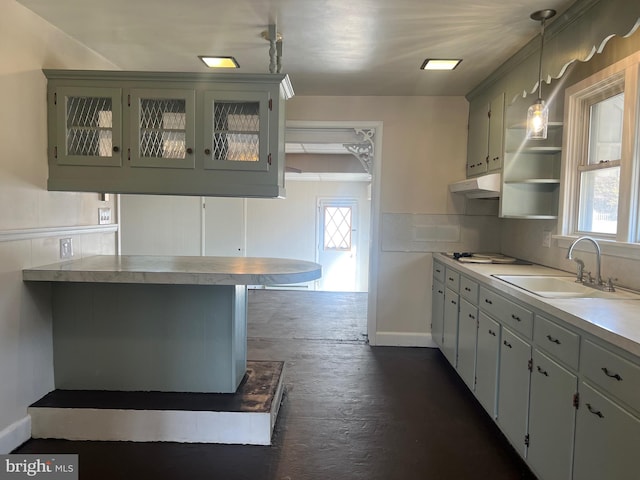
337 220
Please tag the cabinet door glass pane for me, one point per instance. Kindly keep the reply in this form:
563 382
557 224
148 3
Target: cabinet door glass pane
163 128
89 123
236 135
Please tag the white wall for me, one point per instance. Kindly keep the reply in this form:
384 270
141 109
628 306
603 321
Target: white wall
31 219
286 228
278 228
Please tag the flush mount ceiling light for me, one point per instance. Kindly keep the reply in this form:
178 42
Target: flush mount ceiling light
219 62
440 63
538 113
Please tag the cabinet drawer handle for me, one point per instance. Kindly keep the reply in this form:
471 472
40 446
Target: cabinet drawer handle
116 149
543 372
450 279
472 317
515 317
597 413
611 375
553 340
453 302
506 344
492 333
440 291
209 151
467 289
486 300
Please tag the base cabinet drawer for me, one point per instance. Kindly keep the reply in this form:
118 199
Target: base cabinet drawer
614 374
607 439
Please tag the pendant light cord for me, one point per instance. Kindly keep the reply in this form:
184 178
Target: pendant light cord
540 63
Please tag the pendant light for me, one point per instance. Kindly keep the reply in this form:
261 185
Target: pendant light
538 115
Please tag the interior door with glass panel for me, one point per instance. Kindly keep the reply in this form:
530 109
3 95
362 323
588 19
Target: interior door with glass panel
236 133
337 245
162 128
92 120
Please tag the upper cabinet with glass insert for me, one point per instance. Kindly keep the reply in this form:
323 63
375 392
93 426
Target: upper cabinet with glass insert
89 126
167 133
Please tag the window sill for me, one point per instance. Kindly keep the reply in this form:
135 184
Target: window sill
608 247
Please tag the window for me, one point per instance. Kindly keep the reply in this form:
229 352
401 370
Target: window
601 159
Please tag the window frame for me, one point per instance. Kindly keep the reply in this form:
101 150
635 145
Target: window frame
578 99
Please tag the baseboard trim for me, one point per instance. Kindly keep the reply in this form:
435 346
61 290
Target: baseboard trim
403 339
15 435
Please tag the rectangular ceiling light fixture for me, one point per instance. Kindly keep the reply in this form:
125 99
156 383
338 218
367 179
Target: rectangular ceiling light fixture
219 62
440 64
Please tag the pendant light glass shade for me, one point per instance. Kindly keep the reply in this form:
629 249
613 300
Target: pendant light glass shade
537 121
538 115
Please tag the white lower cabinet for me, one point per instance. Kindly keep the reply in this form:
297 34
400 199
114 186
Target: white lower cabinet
513 388
551 418
467 341
437 312
568 401
487 352
450 327
607 439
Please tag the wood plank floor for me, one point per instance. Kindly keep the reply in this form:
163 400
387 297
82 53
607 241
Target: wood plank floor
350 411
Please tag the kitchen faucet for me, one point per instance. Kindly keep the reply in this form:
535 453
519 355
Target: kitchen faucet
599 281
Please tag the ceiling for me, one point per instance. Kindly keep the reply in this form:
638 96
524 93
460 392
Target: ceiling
330 47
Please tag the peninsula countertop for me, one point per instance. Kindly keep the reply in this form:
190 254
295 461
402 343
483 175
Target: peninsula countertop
177 270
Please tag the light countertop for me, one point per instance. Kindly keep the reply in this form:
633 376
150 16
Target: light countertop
177 270
616 321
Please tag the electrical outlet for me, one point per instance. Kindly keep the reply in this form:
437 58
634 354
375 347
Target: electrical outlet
66 248
546 239
104 216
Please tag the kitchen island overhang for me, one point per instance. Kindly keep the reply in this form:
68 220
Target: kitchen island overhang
156 323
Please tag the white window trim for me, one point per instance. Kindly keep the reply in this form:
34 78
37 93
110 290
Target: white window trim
573 145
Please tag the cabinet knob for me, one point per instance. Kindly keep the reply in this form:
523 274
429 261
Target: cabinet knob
116 149
189 150
207 151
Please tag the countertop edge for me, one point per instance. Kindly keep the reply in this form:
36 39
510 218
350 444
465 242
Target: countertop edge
563 309
172 270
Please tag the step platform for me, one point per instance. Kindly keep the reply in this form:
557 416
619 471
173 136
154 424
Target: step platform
245 417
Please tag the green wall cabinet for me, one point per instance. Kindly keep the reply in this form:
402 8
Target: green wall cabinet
167 133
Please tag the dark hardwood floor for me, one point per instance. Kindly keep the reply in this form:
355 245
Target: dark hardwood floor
350 411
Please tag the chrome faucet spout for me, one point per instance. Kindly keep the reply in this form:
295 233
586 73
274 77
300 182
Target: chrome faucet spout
598 255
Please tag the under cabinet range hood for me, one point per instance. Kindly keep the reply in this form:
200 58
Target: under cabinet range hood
485 186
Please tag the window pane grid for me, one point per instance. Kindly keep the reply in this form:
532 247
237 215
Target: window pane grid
337 228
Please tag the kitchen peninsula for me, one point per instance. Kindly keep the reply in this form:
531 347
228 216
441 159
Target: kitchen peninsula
156 323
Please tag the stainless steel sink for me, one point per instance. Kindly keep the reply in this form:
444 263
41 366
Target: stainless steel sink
562 287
